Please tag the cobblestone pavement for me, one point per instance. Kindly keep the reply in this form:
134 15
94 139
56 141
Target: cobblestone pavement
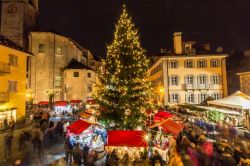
52 153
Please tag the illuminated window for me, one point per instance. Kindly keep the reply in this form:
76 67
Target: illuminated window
59 50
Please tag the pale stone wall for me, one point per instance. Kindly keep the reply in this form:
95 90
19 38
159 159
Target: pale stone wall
46 67
77 87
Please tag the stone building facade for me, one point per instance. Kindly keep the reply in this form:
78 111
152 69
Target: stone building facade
18 18
52 53
78 81
245 82
188 75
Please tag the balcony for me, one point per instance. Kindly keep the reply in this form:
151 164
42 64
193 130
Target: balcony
4 68
196 86
4 97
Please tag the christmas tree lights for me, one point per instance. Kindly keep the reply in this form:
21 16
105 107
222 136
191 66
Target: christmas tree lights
122 90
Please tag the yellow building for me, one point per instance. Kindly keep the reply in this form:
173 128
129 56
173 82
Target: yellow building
13 61
188 74
245 82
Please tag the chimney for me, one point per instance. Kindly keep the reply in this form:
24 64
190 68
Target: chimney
177 43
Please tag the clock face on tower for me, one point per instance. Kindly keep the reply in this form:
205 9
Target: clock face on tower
12 10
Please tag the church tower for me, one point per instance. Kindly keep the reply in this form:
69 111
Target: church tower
19 17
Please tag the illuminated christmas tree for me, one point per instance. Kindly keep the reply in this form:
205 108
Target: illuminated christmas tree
122 90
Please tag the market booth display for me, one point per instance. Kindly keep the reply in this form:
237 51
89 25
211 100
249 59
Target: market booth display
127 143
88 134
62 107
238 102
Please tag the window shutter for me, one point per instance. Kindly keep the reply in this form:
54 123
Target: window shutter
194 80
194 98
177 64
206 79
185 80
205 63
211 80
218 63
186 98
185 63
15 86
211 63
178 80
198 64
220 79
169 80
220 95
199 98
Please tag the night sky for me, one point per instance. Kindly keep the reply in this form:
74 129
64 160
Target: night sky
223 23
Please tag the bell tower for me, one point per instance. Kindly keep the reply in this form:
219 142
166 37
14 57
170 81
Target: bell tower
18 18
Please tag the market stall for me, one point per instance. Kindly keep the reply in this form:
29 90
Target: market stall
62 108
87 134
238 102
162 115
127 143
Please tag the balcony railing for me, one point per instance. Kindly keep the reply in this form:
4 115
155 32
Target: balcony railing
4 68
196 86
4 97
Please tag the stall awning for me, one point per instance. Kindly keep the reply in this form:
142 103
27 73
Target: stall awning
128 138
171 126
61 103
78 126
161 116
75 101
43 103
91 101
237 100
85 115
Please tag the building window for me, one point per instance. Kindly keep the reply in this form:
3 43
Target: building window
174 80
203 97
216 96
202 63
76 74
189 79
41 48
59 50
89 88
89 75
173 64
188 63
215 63
13 60
190 98
215 79
202 79
12 86
58 81
174 98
